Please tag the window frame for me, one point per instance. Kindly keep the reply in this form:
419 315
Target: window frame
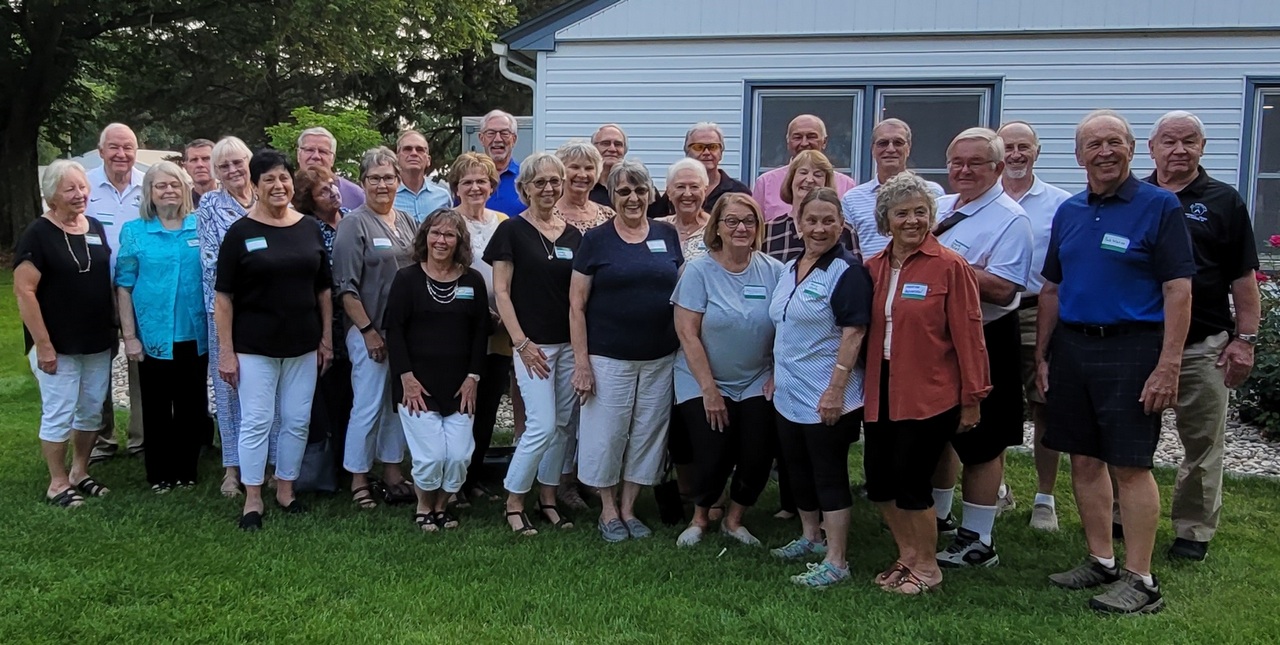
1251 141
756 123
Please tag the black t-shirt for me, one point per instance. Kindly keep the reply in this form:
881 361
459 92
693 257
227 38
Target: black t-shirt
1222 239
273 274
539 276
600 195
662 207
440 342
75 294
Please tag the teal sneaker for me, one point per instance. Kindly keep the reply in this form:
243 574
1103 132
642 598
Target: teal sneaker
821 575
799 548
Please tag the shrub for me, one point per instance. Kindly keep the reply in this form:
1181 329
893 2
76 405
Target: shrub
1259 397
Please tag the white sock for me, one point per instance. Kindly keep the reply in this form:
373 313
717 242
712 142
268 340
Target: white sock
1046 500
942 498
1148 580
1004 490
980 520
1109 563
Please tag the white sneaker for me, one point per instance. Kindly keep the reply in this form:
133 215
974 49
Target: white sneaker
1005 502
690 536
741 534
1044 518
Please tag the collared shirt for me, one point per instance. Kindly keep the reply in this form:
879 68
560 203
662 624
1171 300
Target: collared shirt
859 208
419 205
995 237
768 191
218 211
1111 256
351 192
162 269
782 243
1224 247
506 199
939 355
367 254
662 206
1041 202
112 207
809 318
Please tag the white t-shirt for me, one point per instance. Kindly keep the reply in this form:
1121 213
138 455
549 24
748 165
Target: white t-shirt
1041 204
888 310
112 207
996 237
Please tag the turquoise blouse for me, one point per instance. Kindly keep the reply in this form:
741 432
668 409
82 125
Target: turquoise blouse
162 270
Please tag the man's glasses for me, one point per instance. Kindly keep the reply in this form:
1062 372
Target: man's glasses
323 152
699 148
493 134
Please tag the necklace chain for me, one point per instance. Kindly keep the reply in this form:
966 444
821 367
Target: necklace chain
88 256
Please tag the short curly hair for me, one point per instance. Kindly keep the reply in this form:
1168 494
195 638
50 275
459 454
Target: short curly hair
901 187
468 162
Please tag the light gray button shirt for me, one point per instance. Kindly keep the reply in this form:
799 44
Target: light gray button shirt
366 256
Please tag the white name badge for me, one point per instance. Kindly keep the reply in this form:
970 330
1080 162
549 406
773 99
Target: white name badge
465 293
657 246
813 292
564 253
915 290
255 244
755 292
193 242
381 243
93 239
1113 242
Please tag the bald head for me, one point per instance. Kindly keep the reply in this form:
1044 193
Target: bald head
806 132
118 147
1021 149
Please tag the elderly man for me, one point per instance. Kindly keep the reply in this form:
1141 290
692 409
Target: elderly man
1040 200
197 160
805 132
993 233
115 189
612 144
318 148
1114 313
890 148
498 134
1218 352
418 196
704 142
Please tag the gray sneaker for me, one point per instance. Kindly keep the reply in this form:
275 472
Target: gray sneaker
637 529
613 530
1129 595
1088 575
1044 518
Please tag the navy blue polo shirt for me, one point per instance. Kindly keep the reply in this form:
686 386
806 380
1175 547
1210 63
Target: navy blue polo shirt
1111 256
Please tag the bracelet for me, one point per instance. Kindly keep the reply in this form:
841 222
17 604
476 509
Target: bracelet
474 377
366 328
842 368
520 348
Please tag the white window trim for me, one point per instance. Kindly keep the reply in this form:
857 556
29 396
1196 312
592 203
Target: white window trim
856 93
1254 173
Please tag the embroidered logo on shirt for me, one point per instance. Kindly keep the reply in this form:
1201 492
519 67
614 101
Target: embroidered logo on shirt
1113 242
755 292
657 246
255 244
1198 212
914 290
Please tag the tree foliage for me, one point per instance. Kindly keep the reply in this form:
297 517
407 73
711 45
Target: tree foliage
350 127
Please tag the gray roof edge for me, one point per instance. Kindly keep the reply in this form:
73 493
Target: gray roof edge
539 33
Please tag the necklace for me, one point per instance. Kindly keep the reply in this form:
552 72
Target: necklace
88 257
542 237
443 295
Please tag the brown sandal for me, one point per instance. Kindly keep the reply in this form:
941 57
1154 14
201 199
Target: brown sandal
917 585
892 574
364 497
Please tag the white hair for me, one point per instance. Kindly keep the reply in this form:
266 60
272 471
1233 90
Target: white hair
1178 115
146 207
226 146
986 135
1105 112
625 143
688 164
493 114
580 149
55 173
102 138
699 127
319 132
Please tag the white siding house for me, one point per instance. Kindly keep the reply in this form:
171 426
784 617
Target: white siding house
658 66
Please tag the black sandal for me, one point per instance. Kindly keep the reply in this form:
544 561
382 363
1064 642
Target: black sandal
561 520
251 521
425 523
525 529
396 494
444 520
68 498
90 486
365 500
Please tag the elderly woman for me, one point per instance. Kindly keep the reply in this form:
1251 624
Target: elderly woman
686 189
724 370
582 163
808 170
705 143
624 345
374 242
273 310
821 309
62 280
438 334
532 257
926 315
163 322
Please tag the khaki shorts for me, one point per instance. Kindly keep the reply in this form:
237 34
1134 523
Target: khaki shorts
1027 320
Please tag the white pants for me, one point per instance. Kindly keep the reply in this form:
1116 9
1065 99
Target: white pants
440 446
624 424
374 429
548 410
71 398
266 382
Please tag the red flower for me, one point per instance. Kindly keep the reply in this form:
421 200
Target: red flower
1260 276
1274 241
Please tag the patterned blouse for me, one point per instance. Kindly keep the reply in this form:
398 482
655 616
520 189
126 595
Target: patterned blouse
603 214
692 246
218 211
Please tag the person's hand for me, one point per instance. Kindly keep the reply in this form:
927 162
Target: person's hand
831 405
717 412
375 345
584 380
47 359
1160 392
468 395
1236 362
324 356
133 350
229 367
969 417
414 394
497 319
1042 377
768 388
535 361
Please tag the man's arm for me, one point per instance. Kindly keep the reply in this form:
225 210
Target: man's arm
994 289
1161 389
1237 357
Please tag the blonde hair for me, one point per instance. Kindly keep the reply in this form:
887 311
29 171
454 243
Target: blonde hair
812 158
146 207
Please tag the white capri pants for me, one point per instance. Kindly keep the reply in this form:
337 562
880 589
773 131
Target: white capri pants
624 423
548 410
440 446
71 398
266 382
374 429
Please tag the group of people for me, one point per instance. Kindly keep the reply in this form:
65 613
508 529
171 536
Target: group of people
706 328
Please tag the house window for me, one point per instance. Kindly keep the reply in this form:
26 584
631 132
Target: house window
1264 175
775 109
936 116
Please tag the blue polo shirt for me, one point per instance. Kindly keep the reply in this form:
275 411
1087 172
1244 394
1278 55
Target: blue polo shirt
506 199
419 205
1112 255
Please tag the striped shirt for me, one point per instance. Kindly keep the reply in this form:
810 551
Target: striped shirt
859 207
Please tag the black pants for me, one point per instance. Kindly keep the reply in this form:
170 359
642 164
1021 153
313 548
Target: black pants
173 408
817 458
899 456
331 408
743 450
493 384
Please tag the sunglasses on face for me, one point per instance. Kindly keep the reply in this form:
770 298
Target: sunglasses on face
626 192
699 148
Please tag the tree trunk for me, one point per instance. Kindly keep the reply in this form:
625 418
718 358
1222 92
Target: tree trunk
19 185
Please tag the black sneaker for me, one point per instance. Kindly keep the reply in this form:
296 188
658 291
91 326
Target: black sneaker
947 527
1184 549
967 551
1129 595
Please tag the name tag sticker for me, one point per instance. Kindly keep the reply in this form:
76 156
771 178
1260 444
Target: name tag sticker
255 244
1113 242
381 243
193 242
813 292
755 292
915 290
657 246
959 247
93 239
465 293
564 253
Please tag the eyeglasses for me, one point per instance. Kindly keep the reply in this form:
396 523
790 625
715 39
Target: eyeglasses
492 134
699 148
311 150
733 222
377 180
540 184
610 143
422 150
625 192
967 165
238 163
443 235
885 143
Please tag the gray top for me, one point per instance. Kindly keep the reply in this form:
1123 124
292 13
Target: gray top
736 329
366 256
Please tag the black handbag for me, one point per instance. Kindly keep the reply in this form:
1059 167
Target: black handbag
670 506
317 474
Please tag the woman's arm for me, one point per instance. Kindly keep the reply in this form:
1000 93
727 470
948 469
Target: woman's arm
127 271
26 279
228 363
831 404
689 330
479 348
535 361
324 356
584 381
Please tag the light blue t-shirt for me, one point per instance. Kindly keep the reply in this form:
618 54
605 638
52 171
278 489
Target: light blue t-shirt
736 329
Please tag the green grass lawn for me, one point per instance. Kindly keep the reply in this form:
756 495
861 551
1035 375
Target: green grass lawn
137 568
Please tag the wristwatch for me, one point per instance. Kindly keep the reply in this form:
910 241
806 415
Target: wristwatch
366 328
1251 339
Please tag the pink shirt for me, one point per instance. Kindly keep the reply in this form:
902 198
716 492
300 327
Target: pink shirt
768 188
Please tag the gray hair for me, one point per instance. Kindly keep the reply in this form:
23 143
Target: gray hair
319 132
688 164
700 126
1178 115
146 207
380 156
1035 136
55 173
901 187
102 137
995 145
633 172
625 142
1105 112
580 149
404 134
227 146
529 170
892 121
493 114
